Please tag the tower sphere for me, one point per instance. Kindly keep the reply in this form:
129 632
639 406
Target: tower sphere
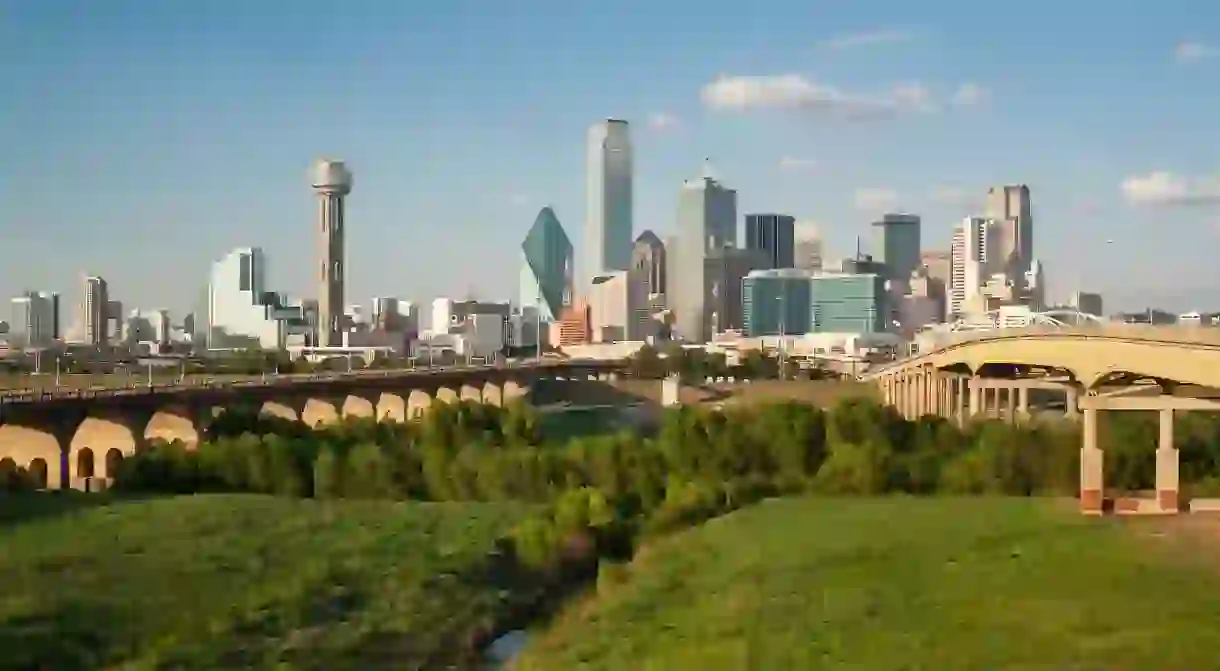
331 176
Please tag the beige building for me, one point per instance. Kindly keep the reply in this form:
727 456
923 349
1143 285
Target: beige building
608 313
95 310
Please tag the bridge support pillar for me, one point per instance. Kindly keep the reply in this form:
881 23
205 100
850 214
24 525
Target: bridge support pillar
1092 475
1071 403
976 396
961 398
1166 465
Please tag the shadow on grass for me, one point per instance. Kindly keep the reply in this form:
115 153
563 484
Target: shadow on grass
68 637
21 507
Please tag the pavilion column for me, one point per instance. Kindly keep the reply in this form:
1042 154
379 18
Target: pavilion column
1166 465
1012 404
1092 477
1070 403
1023 401
976 396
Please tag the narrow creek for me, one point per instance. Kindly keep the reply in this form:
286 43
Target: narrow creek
505 649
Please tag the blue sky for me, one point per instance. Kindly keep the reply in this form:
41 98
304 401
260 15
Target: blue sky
144 139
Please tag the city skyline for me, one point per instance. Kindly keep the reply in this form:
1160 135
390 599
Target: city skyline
144 217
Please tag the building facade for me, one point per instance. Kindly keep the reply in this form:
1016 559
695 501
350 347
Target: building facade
774 237
807 247
724 271
777 302
95 310
546 267
240 311
706 221
609 199
850 304
1011 208
608 309
900 245
35 319
645 285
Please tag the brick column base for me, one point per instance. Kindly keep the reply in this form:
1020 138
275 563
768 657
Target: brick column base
1091 501
1167 499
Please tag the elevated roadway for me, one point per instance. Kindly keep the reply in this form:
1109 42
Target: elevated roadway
1098 367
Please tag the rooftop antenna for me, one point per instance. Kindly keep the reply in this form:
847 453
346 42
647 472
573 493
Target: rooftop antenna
707 168
859 252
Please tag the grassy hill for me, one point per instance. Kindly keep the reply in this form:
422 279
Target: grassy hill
246 581
892 584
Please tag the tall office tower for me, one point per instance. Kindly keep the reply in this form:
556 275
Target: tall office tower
608 225
971 262
95 310
807 247
900 241
707 222
1011 208
236 312
35 319
332 181
546 267
775 236
645 285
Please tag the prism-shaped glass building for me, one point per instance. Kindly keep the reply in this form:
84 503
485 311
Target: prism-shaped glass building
546 266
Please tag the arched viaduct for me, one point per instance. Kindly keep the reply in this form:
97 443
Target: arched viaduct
77 440
1100 368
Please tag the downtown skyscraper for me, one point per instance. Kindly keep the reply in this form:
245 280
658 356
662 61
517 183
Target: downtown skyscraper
608 235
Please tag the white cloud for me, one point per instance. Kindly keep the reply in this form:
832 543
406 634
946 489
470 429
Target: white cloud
867 39
663 121
793 163
875 199
795 92
1192 52
968 95
1162 188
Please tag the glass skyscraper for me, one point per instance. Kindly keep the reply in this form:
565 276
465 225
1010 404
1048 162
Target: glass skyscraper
793 302
777 302
546 266
900 245
774 235
608 223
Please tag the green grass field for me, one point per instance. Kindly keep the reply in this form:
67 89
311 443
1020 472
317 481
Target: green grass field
244 581
937 584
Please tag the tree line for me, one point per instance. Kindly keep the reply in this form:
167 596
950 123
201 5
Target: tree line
696 464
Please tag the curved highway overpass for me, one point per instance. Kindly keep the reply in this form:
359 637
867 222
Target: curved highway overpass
1105 367
1091 356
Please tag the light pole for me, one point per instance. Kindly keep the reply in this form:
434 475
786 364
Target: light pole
57 358
150 380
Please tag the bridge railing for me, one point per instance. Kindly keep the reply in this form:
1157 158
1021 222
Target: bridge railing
269 380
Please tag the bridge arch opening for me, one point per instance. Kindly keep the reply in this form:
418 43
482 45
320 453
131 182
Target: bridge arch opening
114 460
84 463
8 472
38 472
